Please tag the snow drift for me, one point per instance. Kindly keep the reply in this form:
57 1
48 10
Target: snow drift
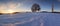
31 19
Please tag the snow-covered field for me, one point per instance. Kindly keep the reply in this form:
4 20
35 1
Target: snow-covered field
30 19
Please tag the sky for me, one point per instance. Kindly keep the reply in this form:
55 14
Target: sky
25 5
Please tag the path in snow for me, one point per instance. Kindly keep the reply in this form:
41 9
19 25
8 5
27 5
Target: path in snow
31 19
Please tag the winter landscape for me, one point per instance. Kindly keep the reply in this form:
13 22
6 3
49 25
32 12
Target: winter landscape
29 12
30 19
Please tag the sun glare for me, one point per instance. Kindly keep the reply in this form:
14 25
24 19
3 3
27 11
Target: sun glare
10 11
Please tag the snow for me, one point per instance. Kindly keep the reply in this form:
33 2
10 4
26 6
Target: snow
31 19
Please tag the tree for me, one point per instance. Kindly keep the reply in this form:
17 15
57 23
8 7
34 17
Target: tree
52 6
35 7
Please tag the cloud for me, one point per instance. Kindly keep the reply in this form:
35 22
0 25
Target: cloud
58 0
10 6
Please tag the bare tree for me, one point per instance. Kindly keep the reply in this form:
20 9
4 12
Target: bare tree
35 7
52 6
